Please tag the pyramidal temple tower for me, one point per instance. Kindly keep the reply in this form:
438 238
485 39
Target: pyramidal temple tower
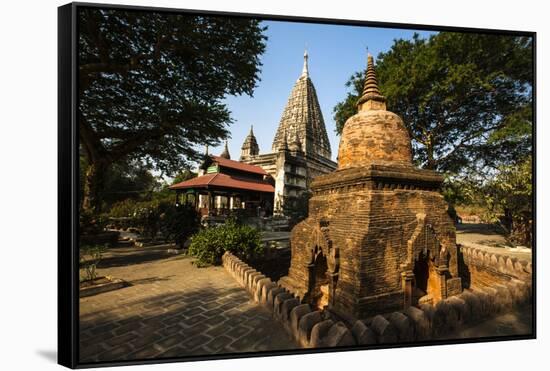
378 237
301 149
302 120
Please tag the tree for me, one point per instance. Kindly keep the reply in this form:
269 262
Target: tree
124 180
183 176
509 199
465 98
151 87
167 194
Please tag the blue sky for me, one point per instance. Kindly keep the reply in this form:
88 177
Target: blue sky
335 53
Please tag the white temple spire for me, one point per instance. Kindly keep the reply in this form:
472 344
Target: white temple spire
305 71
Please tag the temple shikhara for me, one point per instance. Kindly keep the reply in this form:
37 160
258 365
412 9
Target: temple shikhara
300 150
378 237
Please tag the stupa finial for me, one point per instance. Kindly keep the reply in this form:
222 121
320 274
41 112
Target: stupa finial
371 99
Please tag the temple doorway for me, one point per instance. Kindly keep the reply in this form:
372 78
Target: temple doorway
423 285
320 292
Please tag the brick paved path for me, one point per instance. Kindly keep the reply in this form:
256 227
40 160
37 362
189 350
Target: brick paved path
172 309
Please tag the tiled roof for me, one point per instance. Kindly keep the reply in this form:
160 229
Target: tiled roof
238 165
224 181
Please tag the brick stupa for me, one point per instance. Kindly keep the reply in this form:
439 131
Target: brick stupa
378 237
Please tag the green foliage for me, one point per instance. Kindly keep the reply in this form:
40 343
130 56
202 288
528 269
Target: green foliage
122 180
127 180
465 98
91 223
504 197
144 215
509 199
176 223
90 256
179 223
147 216
457 191
209 244
183 176
152 85
123 209
453 194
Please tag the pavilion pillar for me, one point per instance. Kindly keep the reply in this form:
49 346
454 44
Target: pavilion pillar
210 201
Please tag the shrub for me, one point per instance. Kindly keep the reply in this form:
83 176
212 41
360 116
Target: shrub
209 244
144 215
158 215
147 217
179 223
123 209
91 223
90 256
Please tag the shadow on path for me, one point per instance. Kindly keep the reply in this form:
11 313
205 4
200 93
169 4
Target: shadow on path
134 255
210 320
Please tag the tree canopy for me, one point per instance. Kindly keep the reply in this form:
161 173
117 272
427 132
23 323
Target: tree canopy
151 86
466 99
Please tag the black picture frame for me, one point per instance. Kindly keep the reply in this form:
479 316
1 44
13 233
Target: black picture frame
68 182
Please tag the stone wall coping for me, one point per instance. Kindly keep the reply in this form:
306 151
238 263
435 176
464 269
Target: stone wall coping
503 262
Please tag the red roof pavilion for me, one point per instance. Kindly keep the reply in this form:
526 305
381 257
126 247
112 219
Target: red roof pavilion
219 180
226 185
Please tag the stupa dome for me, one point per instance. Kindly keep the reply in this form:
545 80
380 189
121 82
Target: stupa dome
373 135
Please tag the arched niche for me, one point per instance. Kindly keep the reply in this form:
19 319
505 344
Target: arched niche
425 271
323 267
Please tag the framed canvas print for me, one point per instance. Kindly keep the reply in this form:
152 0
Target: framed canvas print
236 185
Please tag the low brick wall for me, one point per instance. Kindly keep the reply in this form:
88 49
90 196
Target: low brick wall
315 329
308 327
486 267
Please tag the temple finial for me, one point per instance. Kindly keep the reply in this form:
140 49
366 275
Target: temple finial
305 71
371 99
250 146
225 153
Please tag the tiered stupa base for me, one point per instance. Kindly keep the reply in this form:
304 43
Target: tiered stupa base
378 239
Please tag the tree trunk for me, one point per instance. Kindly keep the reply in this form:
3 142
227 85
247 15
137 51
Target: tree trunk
430 164
508 221
93 185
